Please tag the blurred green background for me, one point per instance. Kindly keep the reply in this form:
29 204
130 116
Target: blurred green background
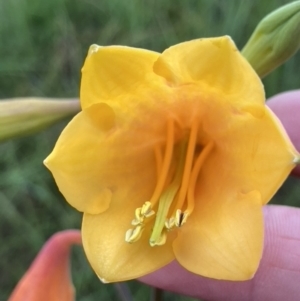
42 48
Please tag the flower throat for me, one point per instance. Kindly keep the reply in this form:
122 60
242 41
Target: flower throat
173 196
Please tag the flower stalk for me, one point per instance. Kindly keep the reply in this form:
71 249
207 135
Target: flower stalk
24 116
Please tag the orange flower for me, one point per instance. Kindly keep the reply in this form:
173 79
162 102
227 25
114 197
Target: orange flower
172 157
48 278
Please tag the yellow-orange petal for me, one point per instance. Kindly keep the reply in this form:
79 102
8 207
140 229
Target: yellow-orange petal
215 64
223 239
94 160
48 278
115 71
252 154
112 258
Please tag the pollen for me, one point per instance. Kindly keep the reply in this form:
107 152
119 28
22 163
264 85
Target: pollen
173 198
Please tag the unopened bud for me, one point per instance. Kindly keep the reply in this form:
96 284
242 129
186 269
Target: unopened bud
48 278
22 116
275 39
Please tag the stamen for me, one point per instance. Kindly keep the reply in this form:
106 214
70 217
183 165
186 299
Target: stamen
136 222
170 223
165 164
180 218
194 176
133 235
188 164
167 198
146 209
158 160
141 213
174 189
137 213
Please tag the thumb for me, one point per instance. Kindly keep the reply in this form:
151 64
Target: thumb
277 278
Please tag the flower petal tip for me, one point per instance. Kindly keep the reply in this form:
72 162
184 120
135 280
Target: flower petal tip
296 160
46 161
228 40
94 49
223 43
103 280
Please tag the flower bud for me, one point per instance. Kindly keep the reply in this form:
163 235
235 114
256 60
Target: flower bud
22 116
275 39
48 278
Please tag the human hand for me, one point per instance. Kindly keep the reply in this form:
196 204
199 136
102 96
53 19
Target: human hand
278 276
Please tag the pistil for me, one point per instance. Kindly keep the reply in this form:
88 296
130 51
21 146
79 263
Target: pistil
167 198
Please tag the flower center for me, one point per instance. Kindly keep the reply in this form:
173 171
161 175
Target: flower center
174 192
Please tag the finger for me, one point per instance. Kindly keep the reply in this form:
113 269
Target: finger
277 278
287 108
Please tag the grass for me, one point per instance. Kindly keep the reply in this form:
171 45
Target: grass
42 48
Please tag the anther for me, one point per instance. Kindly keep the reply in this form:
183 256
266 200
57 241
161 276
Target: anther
141 213
137 214
170 223
146 210
136 222
139 219
133 235
180 218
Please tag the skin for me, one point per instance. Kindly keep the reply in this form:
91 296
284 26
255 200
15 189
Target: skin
278 276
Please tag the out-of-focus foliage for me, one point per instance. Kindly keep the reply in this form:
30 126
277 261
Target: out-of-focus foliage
42 48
